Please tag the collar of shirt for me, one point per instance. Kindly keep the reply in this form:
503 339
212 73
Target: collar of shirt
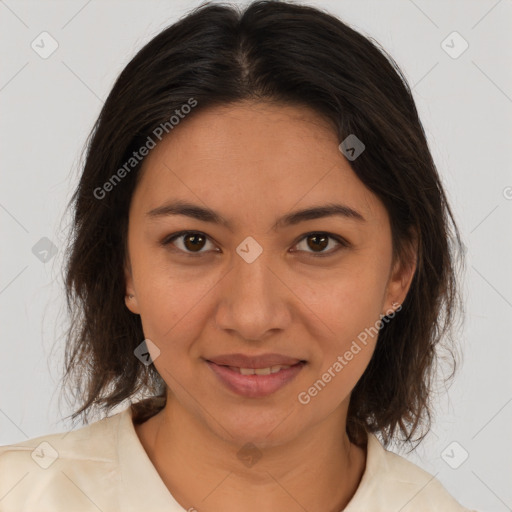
103 466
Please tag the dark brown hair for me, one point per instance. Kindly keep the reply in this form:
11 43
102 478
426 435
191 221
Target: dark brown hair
290 54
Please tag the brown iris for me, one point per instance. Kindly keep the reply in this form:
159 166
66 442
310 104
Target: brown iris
194 241
319 241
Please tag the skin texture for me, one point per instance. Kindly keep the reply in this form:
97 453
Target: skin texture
252 163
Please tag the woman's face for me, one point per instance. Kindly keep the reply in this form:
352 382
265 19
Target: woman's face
309 290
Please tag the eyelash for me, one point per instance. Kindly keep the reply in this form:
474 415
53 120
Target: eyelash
342 242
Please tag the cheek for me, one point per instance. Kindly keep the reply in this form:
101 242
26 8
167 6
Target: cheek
172 302
348 300
166 310
344 350
345 321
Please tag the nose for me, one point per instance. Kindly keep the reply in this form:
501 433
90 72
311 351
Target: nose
253 300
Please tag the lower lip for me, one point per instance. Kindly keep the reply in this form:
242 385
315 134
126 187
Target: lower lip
255 386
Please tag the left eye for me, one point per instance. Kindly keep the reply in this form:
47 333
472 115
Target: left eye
321 241
193 241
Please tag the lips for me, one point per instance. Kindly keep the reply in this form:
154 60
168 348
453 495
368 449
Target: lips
254 362
255 385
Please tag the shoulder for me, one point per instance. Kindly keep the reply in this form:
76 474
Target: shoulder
94 440
391 482
43 472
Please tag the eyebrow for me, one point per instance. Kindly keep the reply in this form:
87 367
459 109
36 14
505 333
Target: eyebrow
205 214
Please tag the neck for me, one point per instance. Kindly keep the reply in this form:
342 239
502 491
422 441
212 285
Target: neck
318 470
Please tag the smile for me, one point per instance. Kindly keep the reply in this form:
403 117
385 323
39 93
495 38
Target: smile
255 382
259 371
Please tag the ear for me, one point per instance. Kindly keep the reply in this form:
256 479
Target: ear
130 298
401 277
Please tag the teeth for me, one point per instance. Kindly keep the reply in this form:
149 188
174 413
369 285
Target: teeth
259 371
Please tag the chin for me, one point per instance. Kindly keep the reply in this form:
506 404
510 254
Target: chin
257 430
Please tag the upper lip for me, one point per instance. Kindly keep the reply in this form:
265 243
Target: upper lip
255 362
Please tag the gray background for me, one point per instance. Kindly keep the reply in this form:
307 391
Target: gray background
49 105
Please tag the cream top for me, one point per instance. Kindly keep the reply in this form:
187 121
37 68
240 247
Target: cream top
103 466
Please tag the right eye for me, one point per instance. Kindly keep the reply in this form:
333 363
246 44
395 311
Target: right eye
189 241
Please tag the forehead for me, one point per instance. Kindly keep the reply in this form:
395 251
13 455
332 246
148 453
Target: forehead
252 155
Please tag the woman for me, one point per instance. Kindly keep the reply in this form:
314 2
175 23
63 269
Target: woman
262 250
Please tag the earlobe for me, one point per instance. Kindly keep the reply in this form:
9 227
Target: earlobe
401 278
131 303
130 298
